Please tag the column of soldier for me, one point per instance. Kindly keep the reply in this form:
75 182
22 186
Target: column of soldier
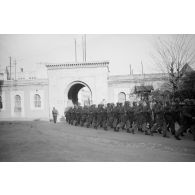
144 116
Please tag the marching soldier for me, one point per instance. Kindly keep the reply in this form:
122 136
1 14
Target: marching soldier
147 119
99 116
109 115
140 116
121 117
94 116
186 119
169 119
130 119
160 124
90 116
116 116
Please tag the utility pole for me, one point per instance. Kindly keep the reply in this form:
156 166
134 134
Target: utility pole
85 49
130 68
10 66
142 68
15 68
75 42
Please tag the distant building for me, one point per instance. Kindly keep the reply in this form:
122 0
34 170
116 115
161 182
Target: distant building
29 97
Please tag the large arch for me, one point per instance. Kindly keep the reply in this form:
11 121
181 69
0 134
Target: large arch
72 90
65 81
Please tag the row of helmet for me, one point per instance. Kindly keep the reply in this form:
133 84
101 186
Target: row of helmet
142 102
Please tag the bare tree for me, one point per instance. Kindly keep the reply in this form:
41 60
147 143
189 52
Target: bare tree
172 55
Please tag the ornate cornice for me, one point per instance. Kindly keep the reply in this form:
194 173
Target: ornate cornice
73 65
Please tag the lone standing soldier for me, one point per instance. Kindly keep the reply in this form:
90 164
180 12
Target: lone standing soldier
55 114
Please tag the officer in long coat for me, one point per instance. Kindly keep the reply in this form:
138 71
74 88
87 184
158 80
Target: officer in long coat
55 114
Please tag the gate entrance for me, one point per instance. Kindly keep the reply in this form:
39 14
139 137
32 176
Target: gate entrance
79 93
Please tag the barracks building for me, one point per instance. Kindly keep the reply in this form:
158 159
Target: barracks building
30 97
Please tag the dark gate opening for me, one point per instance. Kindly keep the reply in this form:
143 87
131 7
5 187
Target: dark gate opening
73 92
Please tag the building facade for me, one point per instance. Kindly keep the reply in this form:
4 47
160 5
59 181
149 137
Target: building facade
32 98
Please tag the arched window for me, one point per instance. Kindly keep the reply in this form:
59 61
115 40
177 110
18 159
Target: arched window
121 97
1 103
17 107
37 101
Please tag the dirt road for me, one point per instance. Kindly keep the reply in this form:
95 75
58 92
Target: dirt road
45 141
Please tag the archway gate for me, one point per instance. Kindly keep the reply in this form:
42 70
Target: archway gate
65 80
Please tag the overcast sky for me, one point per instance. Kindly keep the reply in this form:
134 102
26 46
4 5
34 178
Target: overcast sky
120 50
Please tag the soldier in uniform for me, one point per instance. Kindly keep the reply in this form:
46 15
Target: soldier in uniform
78 115
126 117
160 124
192 128
83 116
109 115
169 119
74 117
147 119
121 117
55 114
130 119
116 116
186 119
134 115
99 116
67 115
94 115
140 116
104 117
176 111
90 116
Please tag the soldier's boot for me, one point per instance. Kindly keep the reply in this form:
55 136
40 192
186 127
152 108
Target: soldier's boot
105 126
146 133
151 132
177 137
133 127
165 135
128 130
118 127
172 132
159 131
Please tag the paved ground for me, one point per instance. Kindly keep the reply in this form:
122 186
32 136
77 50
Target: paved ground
45 141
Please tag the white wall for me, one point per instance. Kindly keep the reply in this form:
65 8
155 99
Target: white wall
60 80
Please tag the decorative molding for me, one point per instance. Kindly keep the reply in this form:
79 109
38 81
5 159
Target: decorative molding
74 65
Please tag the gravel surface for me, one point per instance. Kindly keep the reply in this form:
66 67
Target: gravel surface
40 141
